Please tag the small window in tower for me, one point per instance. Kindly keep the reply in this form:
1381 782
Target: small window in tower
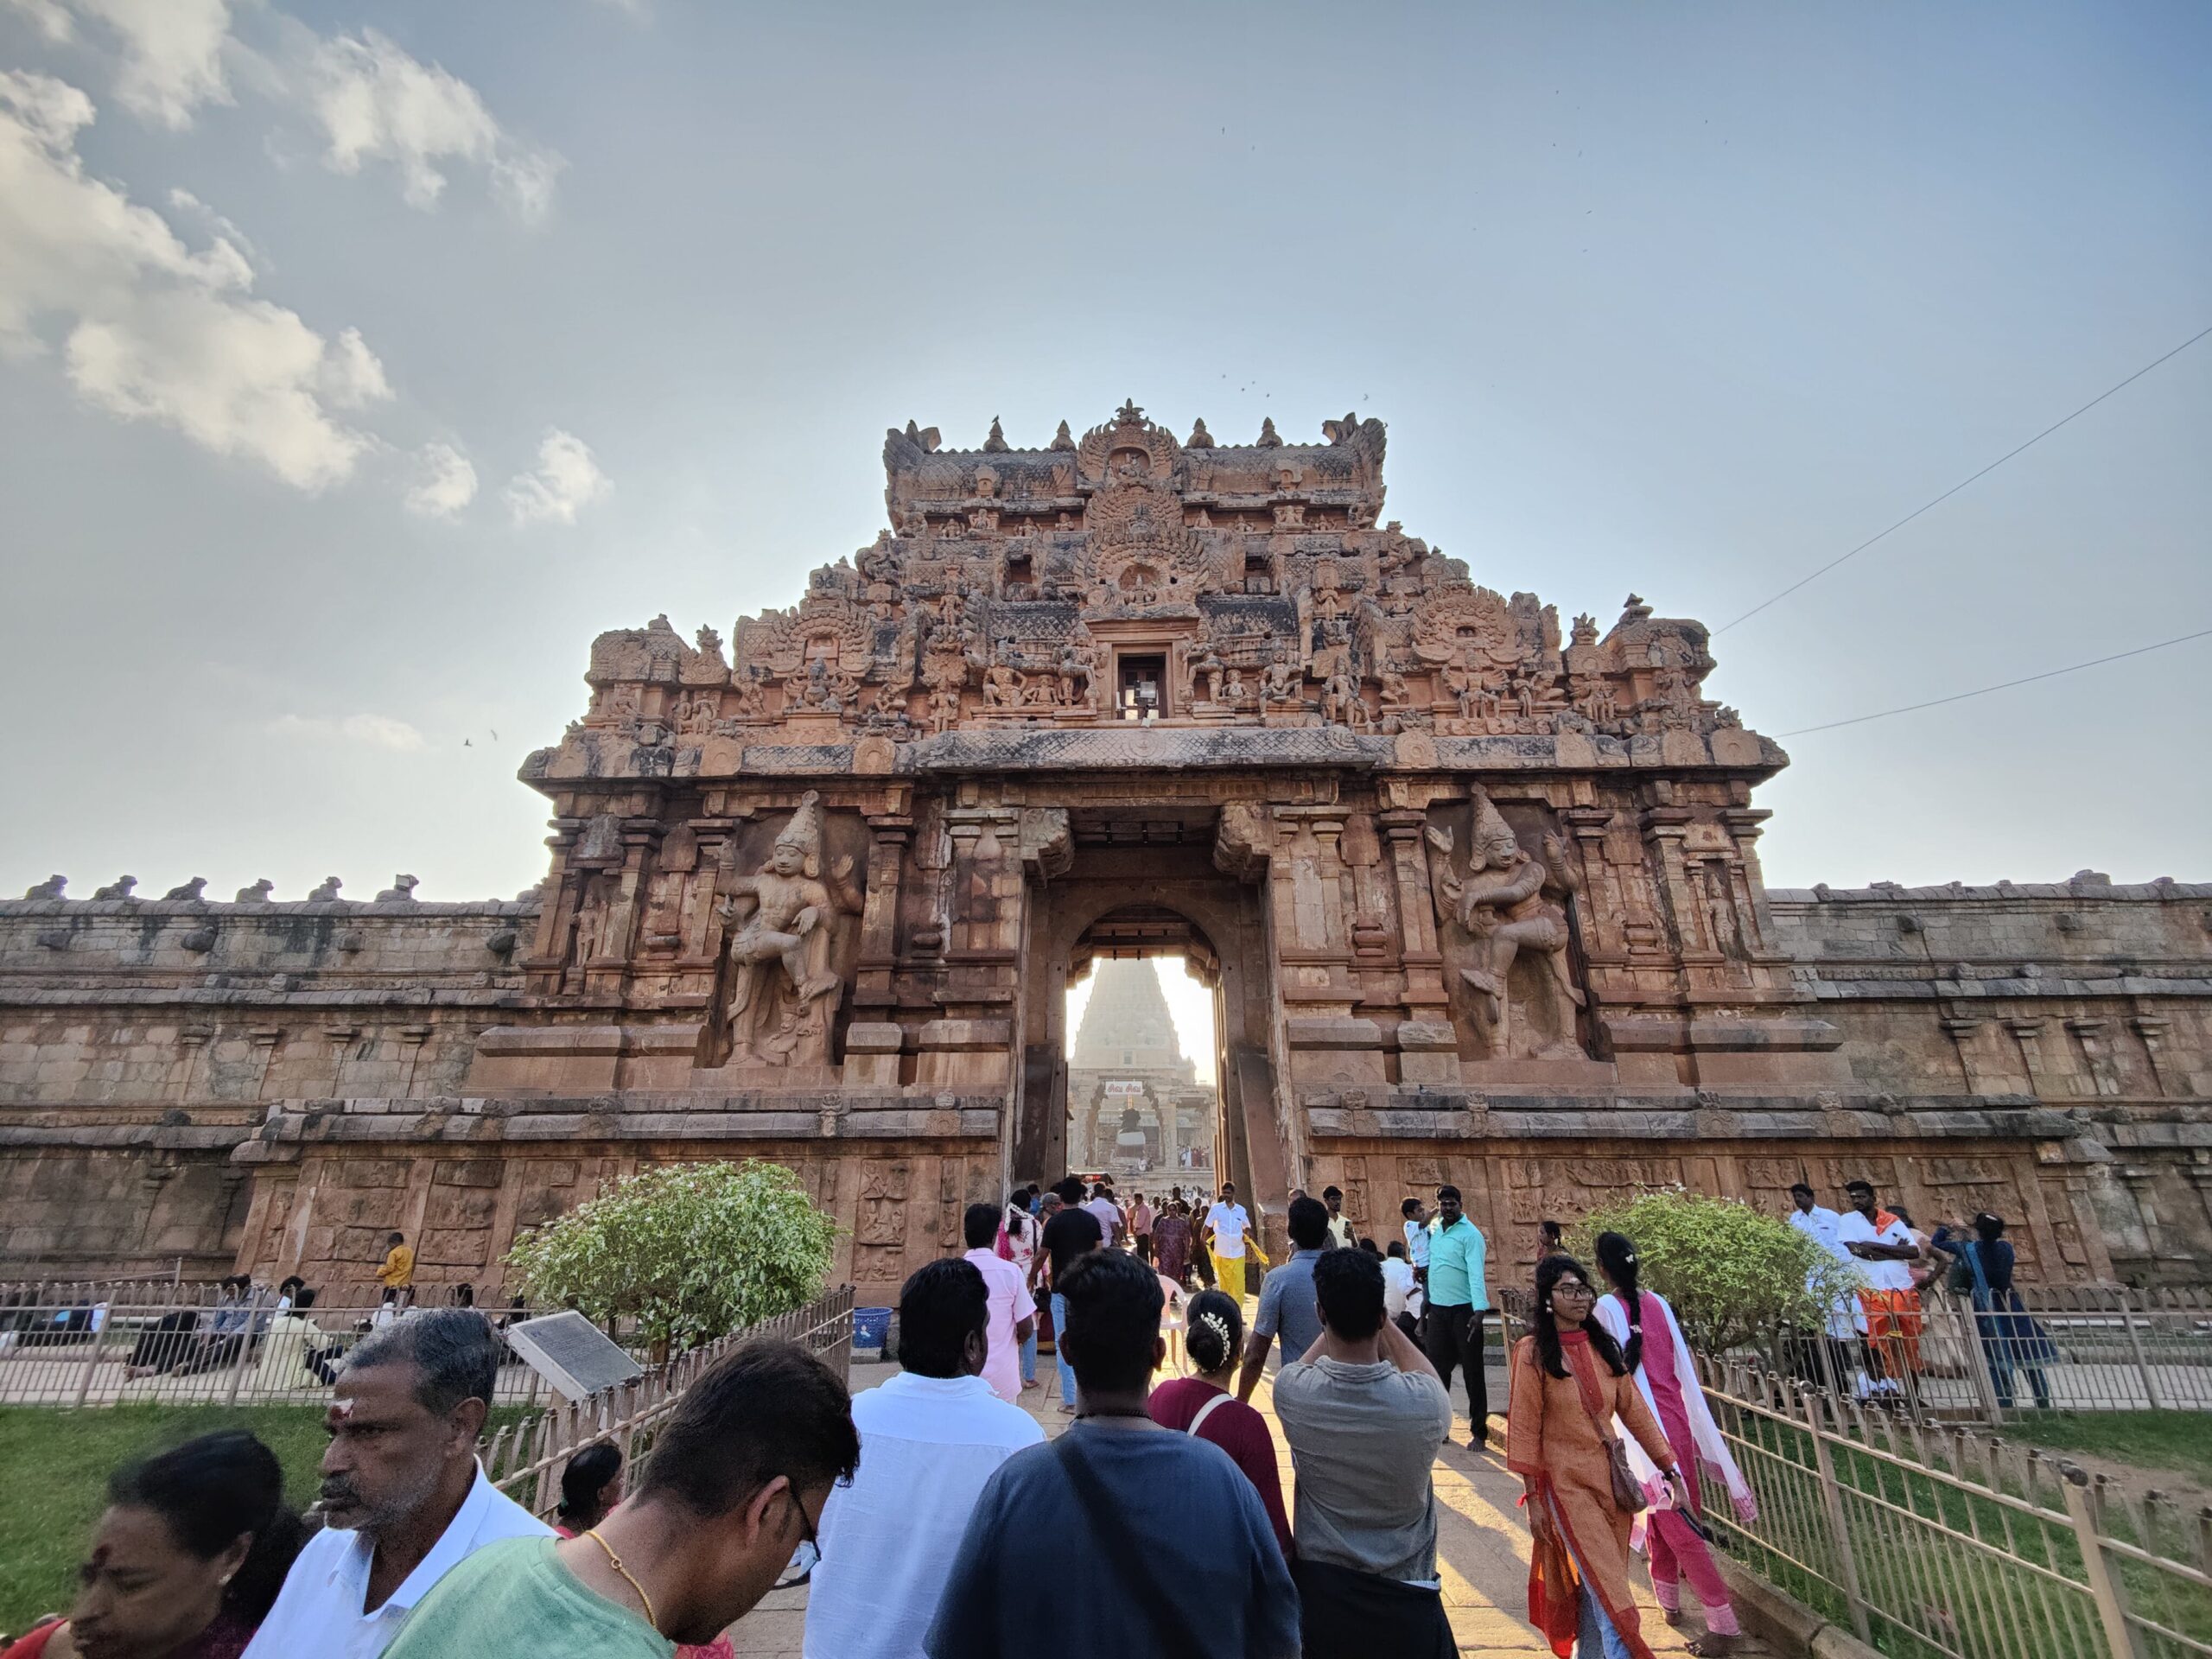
1259 575
1138 694
1020 572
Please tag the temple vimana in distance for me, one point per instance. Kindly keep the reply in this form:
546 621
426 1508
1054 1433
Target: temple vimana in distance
1476 888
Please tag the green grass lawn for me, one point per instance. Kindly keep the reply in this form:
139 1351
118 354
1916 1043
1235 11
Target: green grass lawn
54 1466
2179 1442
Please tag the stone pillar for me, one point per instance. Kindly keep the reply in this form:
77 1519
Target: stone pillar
2029 1034
2152 1031
1421 962
1748 885
1964 1033
1665 828
1602 906
893 833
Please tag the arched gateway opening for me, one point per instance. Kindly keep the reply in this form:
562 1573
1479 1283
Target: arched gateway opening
1143 892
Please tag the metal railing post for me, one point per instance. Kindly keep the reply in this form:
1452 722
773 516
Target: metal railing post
245 1349
2104 1588
1978 1348
92 1359
1832 1500
2135 1347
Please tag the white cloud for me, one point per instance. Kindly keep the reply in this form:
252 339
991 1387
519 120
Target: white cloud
445 482
567 480
374 731
50 17
375 102
152 329
171 50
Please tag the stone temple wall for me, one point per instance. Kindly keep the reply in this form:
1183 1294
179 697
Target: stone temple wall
1479 895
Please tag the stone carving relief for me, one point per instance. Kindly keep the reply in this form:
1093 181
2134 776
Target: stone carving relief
1260 565
1502 917
784 923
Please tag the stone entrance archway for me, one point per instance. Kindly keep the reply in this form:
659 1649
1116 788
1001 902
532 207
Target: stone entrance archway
1143 882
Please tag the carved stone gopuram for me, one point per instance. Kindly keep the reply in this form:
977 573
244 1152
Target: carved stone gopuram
1479 895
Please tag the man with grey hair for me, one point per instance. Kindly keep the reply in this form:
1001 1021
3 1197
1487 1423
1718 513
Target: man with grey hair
403 1500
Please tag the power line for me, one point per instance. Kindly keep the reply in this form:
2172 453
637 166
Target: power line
1816 574
2047 674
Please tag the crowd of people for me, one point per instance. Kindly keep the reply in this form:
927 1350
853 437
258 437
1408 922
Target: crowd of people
932 1515
1872 1343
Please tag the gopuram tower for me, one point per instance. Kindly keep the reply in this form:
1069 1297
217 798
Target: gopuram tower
1477 890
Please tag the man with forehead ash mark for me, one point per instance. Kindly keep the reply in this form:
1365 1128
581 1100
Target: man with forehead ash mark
403 1499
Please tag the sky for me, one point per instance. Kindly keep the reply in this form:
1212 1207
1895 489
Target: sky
358 363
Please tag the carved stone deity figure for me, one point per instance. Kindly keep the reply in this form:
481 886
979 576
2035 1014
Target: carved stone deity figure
1280 682
788 915
1078 673
1341 701
1206 675
1504 903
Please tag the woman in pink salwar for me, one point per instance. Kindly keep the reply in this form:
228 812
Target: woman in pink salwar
1652 1342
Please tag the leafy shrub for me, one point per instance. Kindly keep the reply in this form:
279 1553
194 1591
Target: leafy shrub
1733 1274
693 1251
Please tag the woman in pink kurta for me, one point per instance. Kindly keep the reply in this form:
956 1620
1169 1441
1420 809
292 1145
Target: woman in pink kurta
1666 1375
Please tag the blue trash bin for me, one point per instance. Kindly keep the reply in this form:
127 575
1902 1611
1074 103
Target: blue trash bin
871 1326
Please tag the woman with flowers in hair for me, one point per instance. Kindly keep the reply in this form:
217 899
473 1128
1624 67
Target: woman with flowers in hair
1204 1406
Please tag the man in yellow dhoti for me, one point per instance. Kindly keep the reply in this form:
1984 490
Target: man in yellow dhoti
1227 1231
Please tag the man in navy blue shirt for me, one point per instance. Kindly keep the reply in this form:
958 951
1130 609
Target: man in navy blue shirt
1073 1526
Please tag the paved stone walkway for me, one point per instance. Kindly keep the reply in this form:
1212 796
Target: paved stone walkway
1483 1546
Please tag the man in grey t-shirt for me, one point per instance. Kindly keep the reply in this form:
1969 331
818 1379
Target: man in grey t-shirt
1286 1302
1364 1413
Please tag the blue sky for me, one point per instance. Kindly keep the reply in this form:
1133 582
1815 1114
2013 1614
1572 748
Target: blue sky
358 363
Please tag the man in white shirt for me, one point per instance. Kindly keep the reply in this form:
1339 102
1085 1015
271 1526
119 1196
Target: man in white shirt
1108 1213
929 1438
1417 1231
403 1499
1884 1248
1226 1224
1013 1307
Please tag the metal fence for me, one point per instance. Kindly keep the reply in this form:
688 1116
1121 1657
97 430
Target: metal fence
525 1459
1935 1543
106 1344
2068 1348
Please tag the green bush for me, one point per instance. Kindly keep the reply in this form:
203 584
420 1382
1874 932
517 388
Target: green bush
1733 1275
691 1251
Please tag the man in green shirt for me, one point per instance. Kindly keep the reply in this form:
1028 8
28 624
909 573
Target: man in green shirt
727 1509
1458 1300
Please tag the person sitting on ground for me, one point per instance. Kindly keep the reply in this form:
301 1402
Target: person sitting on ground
1287 1304
728 1508
397 1272
185 1559
1013 1308
1064 1527
930 1437
289 1357
591 1486
403 1499
1201 1405
1364 1413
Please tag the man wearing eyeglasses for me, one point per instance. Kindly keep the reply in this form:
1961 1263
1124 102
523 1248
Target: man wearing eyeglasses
727 1509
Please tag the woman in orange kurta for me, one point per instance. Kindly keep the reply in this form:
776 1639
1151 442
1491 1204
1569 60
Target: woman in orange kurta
1566 1379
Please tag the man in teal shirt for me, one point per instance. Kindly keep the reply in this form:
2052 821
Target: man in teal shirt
1459 1301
